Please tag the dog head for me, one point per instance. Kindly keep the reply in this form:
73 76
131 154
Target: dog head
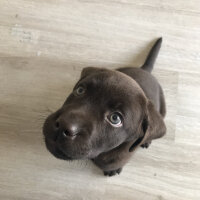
105 109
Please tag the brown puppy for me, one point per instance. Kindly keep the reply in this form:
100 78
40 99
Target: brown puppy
108 115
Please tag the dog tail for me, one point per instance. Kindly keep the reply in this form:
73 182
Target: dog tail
151 58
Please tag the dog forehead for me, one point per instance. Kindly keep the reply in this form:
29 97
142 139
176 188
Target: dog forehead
116 81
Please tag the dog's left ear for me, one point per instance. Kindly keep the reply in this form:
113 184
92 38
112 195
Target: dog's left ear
151 127
90 70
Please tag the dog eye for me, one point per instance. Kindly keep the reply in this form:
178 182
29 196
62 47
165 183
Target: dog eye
115 119
80 90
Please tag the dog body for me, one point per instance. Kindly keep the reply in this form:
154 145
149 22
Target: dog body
108 115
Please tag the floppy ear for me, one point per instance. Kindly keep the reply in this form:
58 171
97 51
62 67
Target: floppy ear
87 71
151 127
90 70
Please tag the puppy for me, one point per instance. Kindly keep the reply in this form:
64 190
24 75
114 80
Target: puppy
108 115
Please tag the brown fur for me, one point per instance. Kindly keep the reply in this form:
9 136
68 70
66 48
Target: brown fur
79 129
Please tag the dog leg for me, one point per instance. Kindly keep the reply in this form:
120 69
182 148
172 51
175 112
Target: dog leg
111 162
146 145
112 172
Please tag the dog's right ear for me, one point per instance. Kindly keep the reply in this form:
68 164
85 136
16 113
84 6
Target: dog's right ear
152 127
90 70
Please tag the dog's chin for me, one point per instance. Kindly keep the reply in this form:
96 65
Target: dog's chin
58 153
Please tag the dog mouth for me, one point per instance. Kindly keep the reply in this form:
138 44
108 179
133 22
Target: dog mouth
57 152
71 153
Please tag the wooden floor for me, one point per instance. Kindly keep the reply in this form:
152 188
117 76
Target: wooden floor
44 44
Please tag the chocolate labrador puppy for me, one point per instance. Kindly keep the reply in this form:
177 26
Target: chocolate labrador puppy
108 115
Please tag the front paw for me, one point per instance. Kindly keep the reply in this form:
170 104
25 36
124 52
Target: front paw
146 145
112 172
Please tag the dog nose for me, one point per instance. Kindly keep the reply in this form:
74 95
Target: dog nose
66 129
71 131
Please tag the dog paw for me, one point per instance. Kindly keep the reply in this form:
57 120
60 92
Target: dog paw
146 145
112 172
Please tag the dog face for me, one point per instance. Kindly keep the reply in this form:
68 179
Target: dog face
105 109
